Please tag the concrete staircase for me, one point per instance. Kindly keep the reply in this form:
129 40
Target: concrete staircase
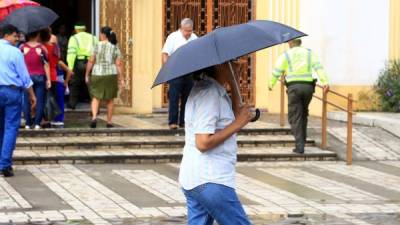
125 145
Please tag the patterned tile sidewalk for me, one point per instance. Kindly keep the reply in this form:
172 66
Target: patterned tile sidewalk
326 192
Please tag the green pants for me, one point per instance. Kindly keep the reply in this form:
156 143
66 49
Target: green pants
78 88
299 97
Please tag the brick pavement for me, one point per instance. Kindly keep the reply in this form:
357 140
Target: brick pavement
93 200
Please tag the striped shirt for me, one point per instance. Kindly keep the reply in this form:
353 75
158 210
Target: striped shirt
106 54
208 109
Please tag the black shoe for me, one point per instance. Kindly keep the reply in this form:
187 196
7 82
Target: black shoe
71 106
93 124
298 151
7 172
46 125
109 125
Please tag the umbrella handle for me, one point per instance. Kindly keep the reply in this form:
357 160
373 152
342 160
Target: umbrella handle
237 91
257 116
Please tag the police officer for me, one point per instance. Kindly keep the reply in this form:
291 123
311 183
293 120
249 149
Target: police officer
80 48
298 65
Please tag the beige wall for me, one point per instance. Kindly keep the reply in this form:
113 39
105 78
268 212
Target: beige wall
394 36
285 11
147 36
148 43
293 13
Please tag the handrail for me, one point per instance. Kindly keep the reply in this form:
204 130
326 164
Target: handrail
333 92
333 104
324 117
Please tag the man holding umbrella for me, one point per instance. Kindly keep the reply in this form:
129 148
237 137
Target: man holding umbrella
298 64
207 171
14 79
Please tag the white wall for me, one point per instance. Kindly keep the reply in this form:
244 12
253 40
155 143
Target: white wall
350 36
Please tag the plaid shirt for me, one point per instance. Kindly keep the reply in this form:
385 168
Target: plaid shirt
106 54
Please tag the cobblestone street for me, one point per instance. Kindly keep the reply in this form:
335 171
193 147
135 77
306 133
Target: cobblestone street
273 193
307 192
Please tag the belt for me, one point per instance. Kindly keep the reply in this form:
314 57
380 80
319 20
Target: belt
299 82
82 57
12 87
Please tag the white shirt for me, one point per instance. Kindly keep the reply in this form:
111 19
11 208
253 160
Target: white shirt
208 109
175 40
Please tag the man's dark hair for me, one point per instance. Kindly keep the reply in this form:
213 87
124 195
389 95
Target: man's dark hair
45 35
200 74
80 23
297 42
8 30
32 35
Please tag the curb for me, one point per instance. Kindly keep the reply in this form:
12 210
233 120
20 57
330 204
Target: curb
388 124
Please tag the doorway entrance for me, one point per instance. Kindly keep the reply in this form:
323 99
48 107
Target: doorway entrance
71 12
206 15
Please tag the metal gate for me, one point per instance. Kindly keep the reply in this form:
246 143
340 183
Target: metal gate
206 15
118 14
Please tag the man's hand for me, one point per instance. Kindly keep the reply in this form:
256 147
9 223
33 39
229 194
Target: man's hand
325 88
33 100
32 97
244 116
48 84
87 80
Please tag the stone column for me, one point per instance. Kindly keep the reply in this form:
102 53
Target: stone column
147 36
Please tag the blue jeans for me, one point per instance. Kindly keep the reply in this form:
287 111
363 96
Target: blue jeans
60 100
179 89
209 202
39 87
10 118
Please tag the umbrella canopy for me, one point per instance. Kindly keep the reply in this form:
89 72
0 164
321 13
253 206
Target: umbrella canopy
224 44
31 18
7 6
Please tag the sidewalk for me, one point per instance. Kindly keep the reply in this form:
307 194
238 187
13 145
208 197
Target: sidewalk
387 121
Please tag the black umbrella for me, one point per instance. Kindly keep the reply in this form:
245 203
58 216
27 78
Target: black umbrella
225 44
31 18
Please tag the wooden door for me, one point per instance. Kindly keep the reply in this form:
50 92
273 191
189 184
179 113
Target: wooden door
118 14
207 15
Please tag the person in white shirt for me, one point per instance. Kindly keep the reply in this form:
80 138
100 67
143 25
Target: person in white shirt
179 88
207 171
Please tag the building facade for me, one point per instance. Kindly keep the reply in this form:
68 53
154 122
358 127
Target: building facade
353 39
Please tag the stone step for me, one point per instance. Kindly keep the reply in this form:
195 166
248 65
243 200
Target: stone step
162 155
72 132
111 142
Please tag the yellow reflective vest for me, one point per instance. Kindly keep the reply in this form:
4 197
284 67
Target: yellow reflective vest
298 65
80 46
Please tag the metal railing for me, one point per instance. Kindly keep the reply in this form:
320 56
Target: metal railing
324 117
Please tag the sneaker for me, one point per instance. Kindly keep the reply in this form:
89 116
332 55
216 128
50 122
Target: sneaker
27 127
109 125
46 125
37 127
69 106
57 124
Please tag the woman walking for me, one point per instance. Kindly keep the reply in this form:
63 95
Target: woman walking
36 61
105 66
207 171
